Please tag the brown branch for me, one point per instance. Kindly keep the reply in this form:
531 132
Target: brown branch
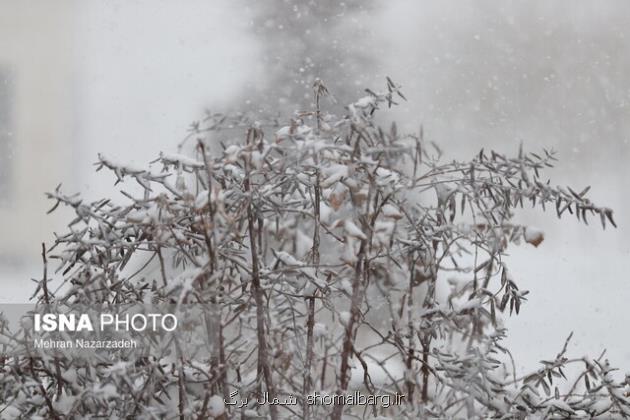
45 278
51 410
256 289
410 352
355 314
310 322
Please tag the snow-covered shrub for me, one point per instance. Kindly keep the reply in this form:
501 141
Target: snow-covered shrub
319 249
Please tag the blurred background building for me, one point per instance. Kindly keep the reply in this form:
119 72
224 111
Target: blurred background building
126 79
37 119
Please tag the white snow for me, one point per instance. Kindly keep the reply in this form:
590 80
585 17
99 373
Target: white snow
333 174
560 404
392 212
533 235
344 318
202 199
353 230
345 286
443 192
9 412
320 330
386 176
288 259
216 406
181 160
230 155
601 406
365 102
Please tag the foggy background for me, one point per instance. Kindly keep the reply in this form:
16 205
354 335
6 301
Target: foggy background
127 78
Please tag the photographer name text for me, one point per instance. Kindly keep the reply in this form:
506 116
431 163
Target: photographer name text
81 343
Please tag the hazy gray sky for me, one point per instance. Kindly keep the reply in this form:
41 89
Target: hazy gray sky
477 74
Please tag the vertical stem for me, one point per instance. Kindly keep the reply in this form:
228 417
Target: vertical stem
223 363
411 350
47 300
263 358
425 369
361 281
425 341
181 394
45 278
324 366
317 221
355 313
51 409
218 356
162 266
310 322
